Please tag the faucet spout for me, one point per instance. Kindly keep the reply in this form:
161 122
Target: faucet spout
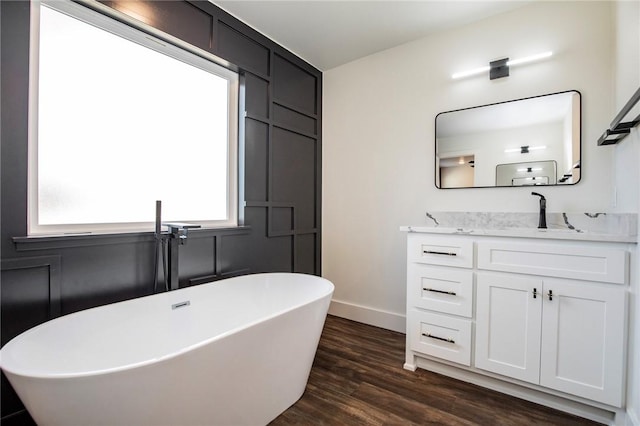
542 220
179 230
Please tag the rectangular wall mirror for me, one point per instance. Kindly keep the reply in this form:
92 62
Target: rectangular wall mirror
530 141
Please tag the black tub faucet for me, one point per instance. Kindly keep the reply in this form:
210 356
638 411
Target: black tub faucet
542 221
177 236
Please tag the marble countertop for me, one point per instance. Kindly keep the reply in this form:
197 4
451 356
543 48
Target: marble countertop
556 234
605 227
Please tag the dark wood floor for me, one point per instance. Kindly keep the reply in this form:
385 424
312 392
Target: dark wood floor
357 379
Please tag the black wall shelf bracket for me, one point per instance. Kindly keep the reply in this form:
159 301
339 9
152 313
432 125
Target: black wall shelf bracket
620 129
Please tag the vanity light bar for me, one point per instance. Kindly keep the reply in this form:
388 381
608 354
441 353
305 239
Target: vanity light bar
528 59
530 169
511 62
469 73
525 149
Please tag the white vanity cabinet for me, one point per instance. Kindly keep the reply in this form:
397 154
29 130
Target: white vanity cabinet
549 315
561 334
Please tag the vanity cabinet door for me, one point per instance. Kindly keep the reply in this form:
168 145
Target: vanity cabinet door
508 325
583 330
568 337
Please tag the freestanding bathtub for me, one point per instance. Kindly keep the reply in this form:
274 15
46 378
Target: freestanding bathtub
231 352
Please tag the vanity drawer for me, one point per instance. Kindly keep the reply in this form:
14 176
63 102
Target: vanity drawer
603 264
436 250
440 289
440 336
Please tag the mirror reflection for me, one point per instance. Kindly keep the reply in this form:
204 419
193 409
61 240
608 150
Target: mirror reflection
510 143
526 174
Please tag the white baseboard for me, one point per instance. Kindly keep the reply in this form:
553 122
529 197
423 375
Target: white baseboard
368 315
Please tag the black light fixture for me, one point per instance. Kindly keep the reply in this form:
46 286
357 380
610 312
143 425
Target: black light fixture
524 149
499 69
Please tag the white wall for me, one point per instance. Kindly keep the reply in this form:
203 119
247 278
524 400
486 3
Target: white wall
626 82
378 139
627 158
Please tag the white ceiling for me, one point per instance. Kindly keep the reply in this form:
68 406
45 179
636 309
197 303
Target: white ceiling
329 33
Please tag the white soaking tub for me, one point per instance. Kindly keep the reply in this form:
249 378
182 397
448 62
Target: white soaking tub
231 352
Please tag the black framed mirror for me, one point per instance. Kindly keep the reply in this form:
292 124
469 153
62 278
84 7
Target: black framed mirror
523 142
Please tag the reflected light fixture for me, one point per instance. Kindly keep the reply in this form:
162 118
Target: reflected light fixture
530 169
500 67
525 149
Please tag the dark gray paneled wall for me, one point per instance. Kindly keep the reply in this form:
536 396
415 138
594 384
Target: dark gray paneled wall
280 128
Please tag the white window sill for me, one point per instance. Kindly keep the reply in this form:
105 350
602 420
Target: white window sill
45 242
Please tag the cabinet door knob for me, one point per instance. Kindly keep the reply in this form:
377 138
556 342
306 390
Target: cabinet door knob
535 293
444 339
550 294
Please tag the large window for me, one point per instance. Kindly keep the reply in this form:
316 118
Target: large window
120 119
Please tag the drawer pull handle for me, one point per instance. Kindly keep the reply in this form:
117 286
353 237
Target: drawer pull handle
441 253
550 294
431 336
453 293
535 293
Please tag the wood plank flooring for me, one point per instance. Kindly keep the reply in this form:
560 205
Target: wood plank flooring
357 379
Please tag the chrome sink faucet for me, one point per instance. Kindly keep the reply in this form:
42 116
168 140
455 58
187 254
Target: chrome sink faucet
542 221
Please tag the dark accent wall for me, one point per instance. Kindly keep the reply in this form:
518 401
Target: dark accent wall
280 155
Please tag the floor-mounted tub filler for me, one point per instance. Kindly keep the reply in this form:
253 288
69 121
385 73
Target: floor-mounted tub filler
231 352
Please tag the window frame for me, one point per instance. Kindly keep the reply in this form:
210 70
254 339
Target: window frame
138 32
